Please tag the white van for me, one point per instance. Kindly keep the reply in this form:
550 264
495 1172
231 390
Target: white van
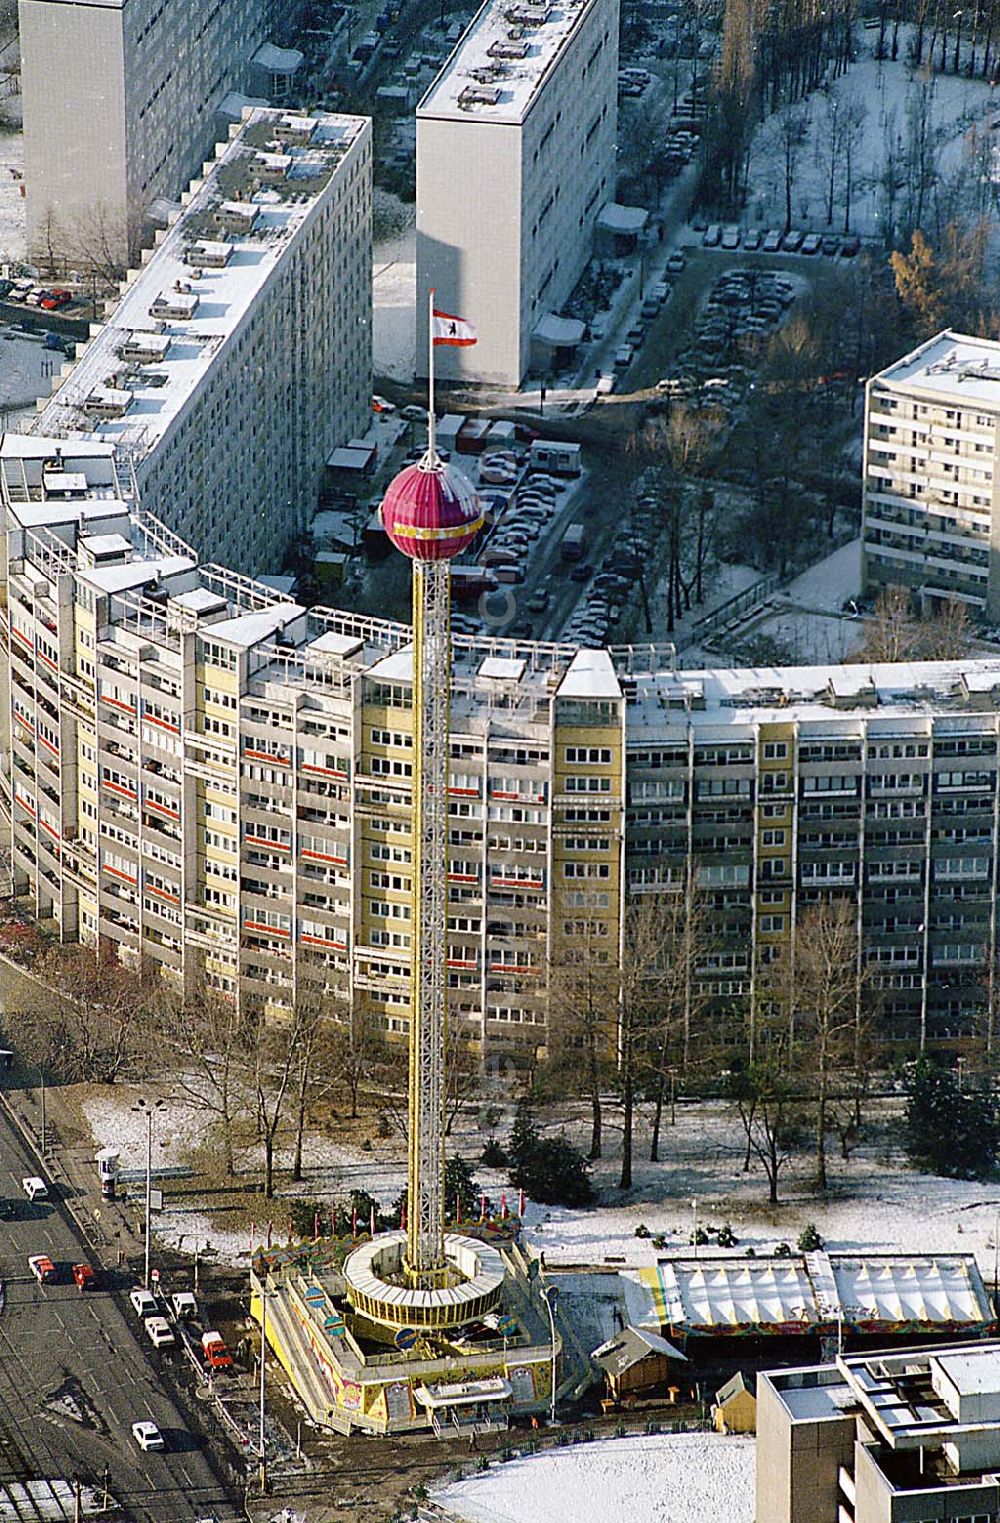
35 1188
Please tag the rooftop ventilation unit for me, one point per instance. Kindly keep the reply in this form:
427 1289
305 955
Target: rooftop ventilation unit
107 402
179 304
295 129
528 15
208 255
236 216
964 370
512 49
272 168
479 95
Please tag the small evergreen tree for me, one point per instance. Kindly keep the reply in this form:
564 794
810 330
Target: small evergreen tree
548 1169
947 1130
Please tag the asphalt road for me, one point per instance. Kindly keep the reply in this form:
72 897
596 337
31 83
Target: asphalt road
54 1343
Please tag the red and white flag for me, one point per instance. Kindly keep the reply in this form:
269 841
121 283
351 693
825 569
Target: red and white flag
448 329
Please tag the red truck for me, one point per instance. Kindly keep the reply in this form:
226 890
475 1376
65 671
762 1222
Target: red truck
217 1356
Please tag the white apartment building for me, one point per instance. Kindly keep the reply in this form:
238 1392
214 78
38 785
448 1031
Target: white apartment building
891 1436
239 355
121 103
931 514
515 159
206 776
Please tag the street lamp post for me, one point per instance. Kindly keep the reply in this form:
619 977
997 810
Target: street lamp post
41 1075
694 1228
147 1110
263 1351
551 1295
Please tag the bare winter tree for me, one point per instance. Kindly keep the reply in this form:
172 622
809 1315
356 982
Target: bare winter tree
793 127
583 1002
829 986
208 1044
94 1030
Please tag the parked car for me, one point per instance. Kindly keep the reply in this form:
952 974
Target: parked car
42 1268
35 1188
792 241
184 1304
143 1303
812 243
676 262
148 1436
772 242
712 236
379 404
752 239
850 247
84 1277
730 237
159 1332
830 244
624 355
56 298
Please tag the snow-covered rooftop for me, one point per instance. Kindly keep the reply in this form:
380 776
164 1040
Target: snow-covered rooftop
502 60
951 366
196 289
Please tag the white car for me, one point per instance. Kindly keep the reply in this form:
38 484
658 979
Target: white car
35 1188
159 1332
143 1303
148 1436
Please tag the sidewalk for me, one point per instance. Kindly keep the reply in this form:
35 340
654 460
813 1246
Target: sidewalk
108 1226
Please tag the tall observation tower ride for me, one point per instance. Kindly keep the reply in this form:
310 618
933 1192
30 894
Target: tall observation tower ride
425 1278
431 513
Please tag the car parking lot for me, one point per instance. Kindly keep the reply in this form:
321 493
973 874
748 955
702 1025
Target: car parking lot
773 240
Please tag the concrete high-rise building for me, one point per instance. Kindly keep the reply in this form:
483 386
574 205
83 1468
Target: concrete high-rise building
931 517
122 102
515 159
885 1437
209 776
239 356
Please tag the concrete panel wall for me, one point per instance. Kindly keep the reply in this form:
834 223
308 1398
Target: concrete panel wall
74 125
469 195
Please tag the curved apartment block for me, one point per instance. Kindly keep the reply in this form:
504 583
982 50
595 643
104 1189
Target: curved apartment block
212 779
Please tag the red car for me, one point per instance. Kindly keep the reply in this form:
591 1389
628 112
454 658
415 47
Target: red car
42 1268
83 1276
53 300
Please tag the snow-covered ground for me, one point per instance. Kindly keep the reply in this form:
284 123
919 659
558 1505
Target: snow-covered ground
394 297
670 1478
808 619
12 225
874 1200
884 98
331 1169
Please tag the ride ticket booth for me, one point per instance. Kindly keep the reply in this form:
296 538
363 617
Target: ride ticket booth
107 1169
467 1406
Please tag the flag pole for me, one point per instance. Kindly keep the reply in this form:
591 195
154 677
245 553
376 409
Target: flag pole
431 451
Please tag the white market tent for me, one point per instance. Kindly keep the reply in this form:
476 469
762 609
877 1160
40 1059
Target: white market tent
874 1292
